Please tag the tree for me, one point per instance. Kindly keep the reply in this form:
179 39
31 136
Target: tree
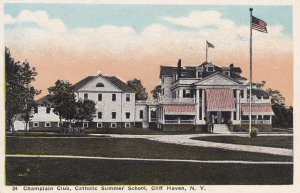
85 110
63 100
156 91
140 91
283 114
19 92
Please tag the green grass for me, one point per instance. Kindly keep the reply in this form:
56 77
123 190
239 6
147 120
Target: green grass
127 131
59 171
125 147
266 141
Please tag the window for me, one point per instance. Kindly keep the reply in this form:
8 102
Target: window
187 93
99 85
210 69
36 110
162 80
48 110
113 115
99 115
113 125
47 124
141 114
227 73
85 96
59 124
35 124
127 114
234 93
127 125
85 125
242 94
99 125
127 97
99 97
113 97
234 116
163 91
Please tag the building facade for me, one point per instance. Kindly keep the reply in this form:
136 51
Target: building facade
191 97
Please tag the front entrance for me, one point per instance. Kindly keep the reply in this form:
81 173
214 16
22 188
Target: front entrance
219 117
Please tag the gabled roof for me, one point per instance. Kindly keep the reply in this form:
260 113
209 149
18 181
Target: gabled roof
112 79
215 74
120 84
82 82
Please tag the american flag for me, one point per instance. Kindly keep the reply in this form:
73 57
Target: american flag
259 25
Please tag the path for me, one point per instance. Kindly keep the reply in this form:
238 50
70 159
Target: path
185 140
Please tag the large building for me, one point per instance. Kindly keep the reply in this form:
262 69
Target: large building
191 97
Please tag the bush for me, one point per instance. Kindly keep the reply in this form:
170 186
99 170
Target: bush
253 132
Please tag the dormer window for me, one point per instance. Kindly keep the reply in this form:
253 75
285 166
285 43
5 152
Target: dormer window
100 84
210 69
227 73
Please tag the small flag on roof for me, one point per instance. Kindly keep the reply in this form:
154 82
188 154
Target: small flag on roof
259 25
209 45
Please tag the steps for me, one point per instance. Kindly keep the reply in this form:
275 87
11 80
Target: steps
221 128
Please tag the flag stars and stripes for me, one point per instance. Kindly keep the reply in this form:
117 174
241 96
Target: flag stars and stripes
259 25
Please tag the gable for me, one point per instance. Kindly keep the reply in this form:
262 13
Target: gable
218 79
99 84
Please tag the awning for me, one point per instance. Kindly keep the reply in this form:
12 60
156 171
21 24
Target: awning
220 100
257 109
180 109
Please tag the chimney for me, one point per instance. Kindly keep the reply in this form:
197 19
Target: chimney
179 69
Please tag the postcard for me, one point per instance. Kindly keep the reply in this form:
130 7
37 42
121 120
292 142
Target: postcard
145 96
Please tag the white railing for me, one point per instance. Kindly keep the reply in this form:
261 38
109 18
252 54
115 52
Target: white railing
177 100
256 122
255 100
149 102
179 121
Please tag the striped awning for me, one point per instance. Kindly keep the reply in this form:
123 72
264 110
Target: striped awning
220 100
180 109
257 109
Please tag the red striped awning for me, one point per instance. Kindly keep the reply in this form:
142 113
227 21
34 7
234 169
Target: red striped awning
180 109
220 100
257 109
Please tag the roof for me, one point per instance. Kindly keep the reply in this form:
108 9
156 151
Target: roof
190 71
82 82
43 101
114 80
186 72
120 84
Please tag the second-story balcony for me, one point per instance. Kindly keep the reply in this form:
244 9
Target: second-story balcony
255 100
176 100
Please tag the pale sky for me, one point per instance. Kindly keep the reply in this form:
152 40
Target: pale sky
71 42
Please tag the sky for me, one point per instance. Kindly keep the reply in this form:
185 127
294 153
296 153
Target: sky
72 41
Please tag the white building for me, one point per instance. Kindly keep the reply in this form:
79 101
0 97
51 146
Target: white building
191 97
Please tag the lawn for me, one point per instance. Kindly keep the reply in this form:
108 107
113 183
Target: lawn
60 171
125 147
267 141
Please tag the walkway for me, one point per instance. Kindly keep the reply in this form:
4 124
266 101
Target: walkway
153 160
185 140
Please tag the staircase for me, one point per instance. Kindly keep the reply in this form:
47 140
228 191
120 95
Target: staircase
221 128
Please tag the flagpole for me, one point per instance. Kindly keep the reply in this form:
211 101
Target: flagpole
206 50
250 99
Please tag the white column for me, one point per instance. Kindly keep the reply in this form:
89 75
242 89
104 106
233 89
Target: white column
203 104
163 115
238 106
232 114
149 114
197 104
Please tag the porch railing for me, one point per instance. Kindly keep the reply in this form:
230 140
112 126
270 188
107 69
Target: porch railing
256 122
179 121
177 100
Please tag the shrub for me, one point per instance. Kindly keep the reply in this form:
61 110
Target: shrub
253 132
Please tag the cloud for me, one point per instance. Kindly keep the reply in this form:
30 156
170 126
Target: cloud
122 51
200 19
41 18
